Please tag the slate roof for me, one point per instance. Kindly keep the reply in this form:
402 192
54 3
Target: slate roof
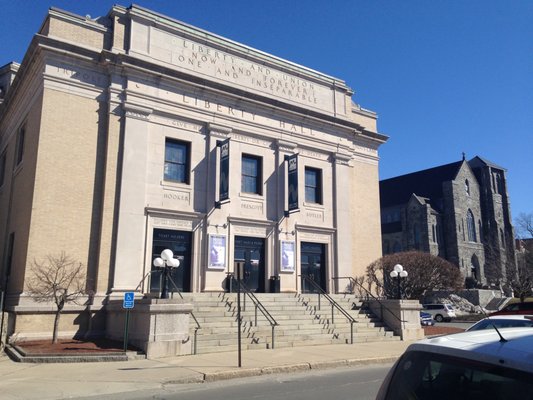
426 183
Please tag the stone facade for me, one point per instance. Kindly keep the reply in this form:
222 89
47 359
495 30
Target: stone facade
458 211
89 128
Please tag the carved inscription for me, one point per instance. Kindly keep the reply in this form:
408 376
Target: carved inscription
240 71
251 140
252 206
81 75
172 223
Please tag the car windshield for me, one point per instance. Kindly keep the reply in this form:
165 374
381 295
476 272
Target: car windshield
448 307
500 323
423 375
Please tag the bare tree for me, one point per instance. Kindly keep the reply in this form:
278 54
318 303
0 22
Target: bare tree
60 280
425 272
524 225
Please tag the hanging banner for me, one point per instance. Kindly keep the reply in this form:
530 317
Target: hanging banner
217 251
223 192
292 162
287 256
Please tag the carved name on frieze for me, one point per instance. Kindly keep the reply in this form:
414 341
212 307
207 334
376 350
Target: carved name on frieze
240 71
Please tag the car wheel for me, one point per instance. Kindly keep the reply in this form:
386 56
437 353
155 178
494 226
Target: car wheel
439 318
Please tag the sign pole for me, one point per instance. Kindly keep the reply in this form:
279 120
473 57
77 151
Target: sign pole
126 329
239 315
128 304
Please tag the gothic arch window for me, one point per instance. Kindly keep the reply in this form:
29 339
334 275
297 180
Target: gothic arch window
471 225
480 230
416 234
474 268
397 247
467 187
386 247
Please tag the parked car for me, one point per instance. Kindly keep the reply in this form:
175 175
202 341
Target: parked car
503 321
516 308
426 319
469 365
440 312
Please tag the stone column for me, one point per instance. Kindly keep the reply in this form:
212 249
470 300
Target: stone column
129 259
343 221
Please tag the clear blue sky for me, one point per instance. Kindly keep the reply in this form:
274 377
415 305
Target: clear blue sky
443 76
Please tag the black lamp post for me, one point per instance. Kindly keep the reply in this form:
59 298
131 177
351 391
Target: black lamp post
398 272
166 262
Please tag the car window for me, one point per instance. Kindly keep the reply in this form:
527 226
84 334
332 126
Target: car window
525 306
511 307
421 375
501 323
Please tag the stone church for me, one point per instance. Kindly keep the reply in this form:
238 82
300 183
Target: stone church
459 211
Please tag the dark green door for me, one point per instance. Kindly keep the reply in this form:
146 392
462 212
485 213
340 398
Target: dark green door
313 266
251 251
180 243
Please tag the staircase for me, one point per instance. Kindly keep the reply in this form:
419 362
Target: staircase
300 321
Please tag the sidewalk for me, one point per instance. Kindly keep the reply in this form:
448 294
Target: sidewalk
58 381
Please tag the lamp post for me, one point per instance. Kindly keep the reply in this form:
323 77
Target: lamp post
166 262
398 272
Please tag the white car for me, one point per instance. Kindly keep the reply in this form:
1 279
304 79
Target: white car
470 365
503 321
440 312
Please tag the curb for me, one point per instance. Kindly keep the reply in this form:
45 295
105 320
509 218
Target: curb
281 369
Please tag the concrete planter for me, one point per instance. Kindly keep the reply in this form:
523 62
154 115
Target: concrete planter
159 327
403 316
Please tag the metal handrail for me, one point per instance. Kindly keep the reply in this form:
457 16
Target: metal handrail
258 306
198 326
368 293
334 304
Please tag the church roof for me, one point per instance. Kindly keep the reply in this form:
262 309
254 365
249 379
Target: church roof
426 183
478 161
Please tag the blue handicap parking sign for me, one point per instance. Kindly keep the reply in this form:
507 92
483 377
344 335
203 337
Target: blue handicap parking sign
129 300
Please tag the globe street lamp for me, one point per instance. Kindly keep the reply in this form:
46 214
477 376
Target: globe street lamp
166 262
398 272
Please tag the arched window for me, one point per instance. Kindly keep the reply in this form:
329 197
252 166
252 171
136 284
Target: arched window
467 187
474 267
416 234
386 247
480 230
397 247
471 225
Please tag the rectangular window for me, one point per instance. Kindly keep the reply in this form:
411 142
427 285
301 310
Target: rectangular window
251 179
20 146
177 161
2 169
313 185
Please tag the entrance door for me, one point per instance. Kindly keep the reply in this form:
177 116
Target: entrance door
180 243
313 265
251 251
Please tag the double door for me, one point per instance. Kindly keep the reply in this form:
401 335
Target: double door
313 266
180 243
251 252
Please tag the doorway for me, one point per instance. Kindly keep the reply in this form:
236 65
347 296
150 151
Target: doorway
313 266
181 244
251 251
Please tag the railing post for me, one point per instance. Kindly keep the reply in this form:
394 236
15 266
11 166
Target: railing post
319 301
273 326
351 332
256 315
332 314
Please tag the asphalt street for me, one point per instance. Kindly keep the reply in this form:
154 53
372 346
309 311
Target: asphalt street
354 383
